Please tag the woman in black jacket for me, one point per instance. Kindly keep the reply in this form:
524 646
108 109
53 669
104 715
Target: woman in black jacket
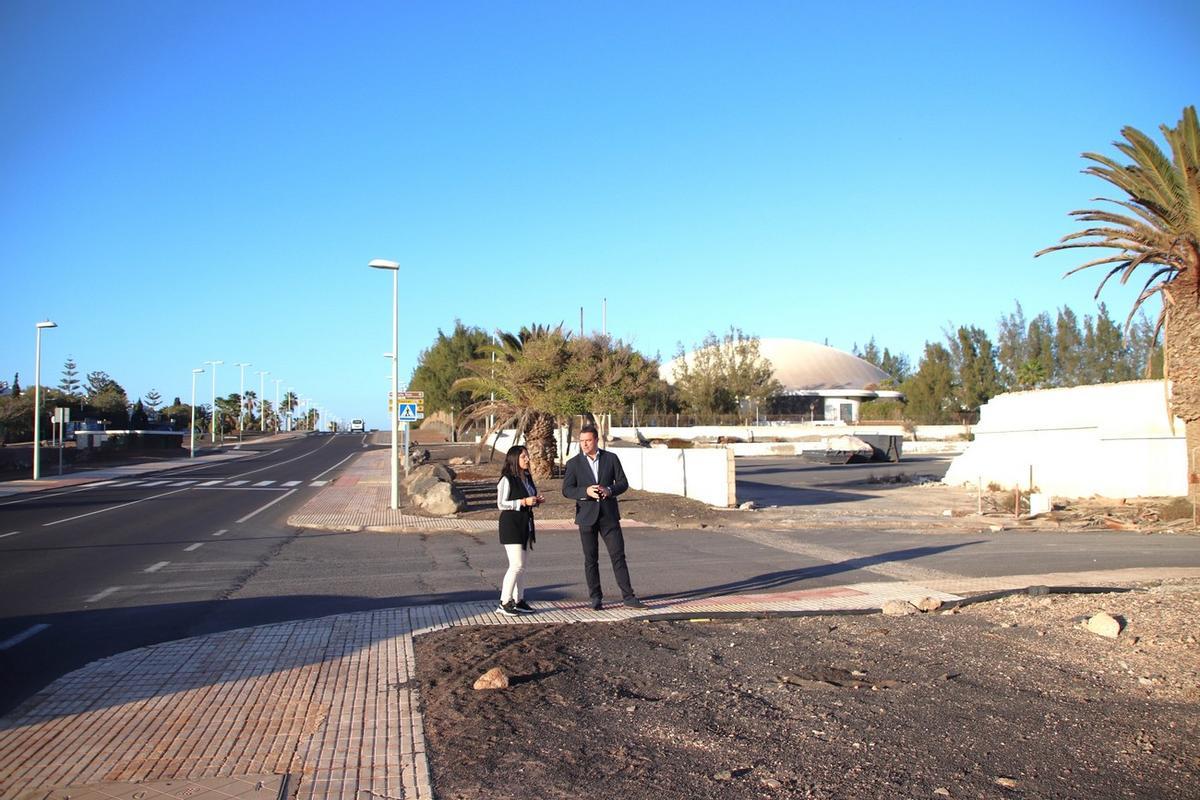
516 497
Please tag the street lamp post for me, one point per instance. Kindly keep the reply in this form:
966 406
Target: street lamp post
381 263
242 398
192 430
212 422
37 399
291 393
262 399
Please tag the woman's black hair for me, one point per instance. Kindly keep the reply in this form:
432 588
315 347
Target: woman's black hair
512 467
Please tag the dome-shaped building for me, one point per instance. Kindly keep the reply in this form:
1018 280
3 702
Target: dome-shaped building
819 382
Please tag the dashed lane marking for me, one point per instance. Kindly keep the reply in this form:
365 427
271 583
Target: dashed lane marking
223 530
156 567
32 630
10 533
98 596
192 547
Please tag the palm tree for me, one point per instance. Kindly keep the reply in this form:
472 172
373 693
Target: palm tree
1160 230
518 388
288 403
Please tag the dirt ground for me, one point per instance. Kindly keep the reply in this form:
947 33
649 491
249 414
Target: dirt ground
1010 698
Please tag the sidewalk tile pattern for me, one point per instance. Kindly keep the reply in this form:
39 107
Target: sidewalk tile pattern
330 701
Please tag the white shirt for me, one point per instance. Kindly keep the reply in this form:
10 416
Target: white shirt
503 490
594 463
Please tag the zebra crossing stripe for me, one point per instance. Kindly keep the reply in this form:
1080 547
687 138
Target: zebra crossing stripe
209 483
126 483
264 483
182 483
153 483
317 484
290 484
236 483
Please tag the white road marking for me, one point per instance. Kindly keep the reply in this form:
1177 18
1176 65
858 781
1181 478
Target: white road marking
96 598
156 567
10 533
154 483
335 466
290 484
48 494
318 484
264 483
126 483
208 483
192 547
223 530
326 443
268 505
183 483
240 488
112 508
13 641
236 483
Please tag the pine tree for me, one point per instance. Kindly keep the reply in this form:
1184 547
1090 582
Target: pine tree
1068 358
153 400
69 385
16 385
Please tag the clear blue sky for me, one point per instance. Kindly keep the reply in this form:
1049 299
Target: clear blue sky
194 181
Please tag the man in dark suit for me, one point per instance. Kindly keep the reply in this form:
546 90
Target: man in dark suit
593 480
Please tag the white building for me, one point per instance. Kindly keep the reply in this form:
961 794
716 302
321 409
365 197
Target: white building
819 382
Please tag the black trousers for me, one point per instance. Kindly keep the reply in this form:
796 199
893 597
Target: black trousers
614 542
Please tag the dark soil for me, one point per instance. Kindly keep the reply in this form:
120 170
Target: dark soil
818 707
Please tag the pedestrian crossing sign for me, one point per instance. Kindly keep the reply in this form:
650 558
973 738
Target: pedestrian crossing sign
409 413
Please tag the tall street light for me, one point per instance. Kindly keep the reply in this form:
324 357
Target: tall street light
242 398
37 399
262 399
278 414
212 423
394 266
291 393
192 446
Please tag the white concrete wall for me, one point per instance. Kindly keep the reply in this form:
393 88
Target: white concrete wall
703 474
1112 440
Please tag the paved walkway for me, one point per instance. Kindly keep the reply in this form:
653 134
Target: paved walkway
327 708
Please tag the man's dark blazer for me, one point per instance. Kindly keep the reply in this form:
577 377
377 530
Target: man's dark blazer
579 477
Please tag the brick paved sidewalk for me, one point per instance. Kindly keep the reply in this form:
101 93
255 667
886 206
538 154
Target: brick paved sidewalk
358 501
327 702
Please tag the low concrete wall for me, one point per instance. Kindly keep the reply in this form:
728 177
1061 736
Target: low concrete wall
1112 440
759 433
704 474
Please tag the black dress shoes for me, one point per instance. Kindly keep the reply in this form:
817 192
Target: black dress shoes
597 605
633 602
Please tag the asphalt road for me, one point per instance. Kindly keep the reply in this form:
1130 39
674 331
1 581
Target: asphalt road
115 567
791 480
95 570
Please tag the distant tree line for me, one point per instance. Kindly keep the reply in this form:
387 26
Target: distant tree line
956 376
